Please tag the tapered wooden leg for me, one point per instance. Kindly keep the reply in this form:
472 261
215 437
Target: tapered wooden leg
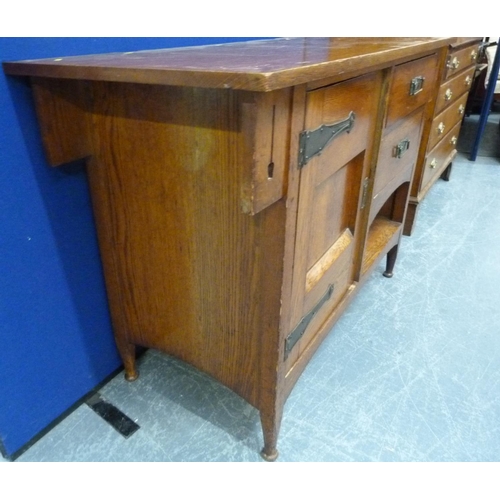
391 260
127 353
447 173
271 423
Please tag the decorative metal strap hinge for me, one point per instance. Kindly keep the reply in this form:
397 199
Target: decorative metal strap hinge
313 142
299 330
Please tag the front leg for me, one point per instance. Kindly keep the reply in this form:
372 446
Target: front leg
271 422
391 260
447 173
127 353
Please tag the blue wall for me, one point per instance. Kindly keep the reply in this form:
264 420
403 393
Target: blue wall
56 341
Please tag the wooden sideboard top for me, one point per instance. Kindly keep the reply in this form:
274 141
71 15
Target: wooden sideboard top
260 65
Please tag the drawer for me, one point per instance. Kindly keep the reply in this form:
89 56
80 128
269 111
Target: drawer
451 90
398 152
461 59
436 158
446 120
412 86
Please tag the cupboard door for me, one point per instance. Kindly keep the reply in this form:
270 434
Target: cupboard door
331 182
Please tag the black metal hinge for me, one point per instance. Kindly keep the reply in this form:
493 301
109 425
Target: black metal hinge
313 142
299 330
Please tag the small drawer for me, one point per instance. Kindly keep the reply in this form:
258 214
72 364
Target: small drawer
461 59
412 86
446 120
451 90
434 162
398 152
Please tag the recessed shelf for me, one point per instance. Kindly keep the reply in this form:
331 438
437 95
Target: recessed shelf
382 231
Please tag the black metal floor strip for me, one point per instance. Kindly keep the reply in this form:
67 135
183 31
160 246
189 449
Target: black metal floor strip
116 418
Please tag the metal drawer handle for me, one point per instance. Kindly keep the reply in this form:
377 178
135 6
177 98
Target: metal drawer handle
448 95
461 109
440 128
416 85
433 163
454 63
473 55
453 140
401 148
468 81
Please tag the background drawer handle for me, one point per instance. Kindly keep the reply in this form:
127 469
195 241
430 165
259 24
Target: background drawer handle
440 128
416 85
454 63
468 81
461 109
473 55
433 163
448 95
401 148
453 140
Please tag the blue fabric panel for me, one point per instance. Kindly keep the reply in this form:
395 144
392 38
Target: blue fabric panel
56 341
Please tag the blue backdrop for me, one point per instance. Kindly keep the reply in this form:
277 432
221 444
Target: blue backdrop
56 342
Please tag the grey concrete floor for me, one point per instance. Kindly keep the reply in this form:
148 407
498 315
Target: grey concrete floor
411 371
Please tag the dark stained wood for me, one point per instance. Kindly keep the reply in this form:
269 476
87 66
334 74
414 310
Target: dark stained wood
258 65
214 242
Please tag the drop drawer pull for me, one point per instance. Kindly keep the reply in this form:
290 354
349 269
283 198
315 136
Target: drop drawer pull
448 95
433 163
473 55
461 109
468 81
440 128
401 148
453 140
454 63
416 85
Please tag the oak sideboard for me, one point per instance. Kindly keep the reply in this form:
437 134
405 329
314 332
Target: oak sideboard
242 193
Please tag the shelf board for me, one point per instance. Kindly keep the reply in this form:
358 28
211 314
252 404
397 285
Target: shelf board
380 234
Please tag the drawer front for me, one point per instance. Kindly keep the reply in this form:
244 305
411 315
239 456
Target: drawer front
453 89
412 86
461 59
446 120
398 152
436 158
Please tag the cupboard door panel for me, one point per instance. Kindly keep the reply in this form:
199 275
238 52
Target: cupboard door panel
329 197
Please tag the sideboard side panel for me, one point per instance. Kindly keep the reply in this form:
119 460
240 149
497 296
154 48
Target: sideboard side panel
187 271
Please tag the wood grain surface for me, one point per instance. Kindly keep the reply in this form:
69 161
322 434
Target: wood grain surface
261 65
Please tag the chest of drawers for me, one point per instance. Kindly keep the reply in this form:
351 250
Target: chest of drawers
242 193
440 134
